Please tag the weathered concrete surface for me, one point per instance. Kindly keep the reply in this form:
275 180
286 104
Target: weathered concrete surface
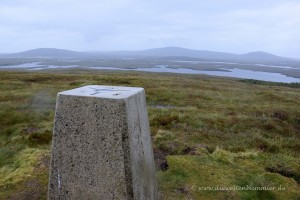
102 146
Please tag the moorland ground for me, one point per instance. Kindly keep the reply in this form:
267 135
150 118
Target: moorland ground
206 132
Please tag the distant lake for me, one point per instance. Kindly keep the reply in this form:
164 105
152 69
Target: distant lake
232 63
234 72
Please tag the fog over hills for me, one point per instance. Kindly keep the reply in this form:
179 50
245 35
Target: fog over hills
157 52
179 52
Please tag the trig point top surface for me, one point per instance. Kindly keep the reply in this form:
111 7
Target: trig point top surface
103 91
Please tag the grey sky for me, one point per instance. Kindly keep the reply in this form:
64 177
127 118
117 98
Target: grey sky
236 26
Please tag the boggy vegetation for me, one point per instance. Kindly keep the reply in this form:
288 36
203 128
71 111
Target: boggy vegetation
206 132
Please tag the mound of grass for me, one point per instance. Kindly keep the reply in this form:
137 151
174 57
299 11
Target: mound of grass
258 82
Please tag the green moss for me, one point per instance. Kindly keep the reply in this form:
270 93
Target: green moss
22 167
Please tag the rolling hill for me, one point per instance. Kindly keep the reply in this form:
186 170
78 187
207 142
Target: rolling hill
258 56
47 53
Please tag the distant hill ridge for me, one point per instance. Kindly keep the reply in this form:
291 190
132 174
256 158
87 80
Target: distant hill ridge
156 52
48 52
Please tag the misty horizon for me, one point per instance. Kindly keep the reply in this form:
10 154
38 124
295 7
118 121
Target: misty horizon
138 50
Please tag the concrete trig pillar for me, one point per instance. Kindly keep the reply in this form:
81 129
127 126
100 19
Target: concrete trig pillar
102 146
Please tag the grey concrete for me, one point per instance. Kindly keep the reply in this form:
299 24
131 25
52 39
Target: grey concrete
101 146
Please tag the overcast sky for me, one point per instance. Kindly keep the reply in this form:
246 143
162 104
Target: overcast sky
236 26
